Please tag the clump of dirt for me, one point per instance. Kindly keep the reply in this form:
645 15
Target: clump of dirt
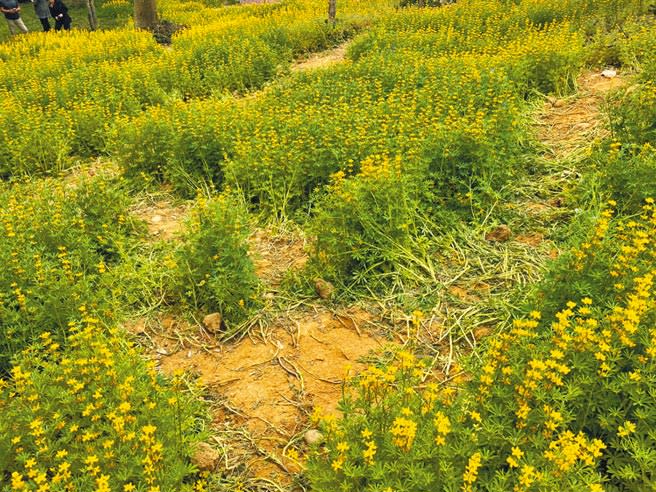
268 386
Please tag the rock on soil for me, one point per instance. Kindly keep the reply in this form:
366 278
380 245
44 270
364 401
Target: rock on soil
323 288
313 437
213 322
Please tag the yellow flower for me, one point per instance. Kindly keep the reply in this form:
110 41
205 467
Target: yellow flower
404 431
471 472
369 453
17 482
626 429
342 447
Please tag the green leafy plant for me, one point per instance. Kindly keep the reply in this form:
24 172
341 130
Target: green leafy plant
367 225
214 271
60 242
560 400
95 415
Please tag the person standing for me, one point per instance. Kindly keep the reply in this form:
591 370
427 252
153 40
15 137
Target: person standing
42 10
11 9
59 12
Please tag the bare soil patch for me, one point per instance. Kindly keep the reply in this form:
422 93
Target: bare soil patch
567 126
163 219
275 254
268 385
322 59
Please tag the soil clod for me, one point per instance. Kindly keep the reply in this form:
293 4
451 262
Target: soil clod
500 234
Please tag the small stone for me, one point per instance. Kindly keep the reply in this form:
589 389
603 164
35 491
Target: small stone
313 437
156 219
162 351
205 457
609 73
323 288
500 235
213 322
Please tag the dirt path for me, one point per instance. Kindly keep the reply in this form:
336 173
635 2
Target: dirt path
567 126
322 59
265 386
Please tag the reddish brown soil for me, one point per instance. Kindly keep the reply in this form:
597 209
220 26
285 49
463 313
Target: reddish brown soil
270 385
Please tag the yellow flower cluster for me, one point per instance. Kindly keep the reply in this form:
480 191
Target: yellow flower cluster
80 418
471 472
569 448
403 432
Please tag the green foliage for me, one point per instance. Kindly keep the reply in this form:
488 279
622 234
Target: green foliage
94 416
626 161
367 226
627 176
189 154
52 108
60 243
559 401
214 271
459 105
632 114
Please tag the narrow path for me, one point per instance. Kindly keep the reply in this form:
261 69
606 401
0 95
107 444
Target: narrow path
322 59
566 127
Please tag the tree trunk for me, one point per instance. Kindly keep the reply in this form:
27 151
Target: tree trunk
332 10
145 14
91 14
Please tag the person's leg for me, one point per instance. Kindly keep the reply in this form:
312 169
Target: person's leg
21 25
67 23
12 27
58 24
45 23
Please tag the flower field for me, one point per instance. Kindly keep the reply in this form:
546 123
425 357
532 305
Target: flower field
511 280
